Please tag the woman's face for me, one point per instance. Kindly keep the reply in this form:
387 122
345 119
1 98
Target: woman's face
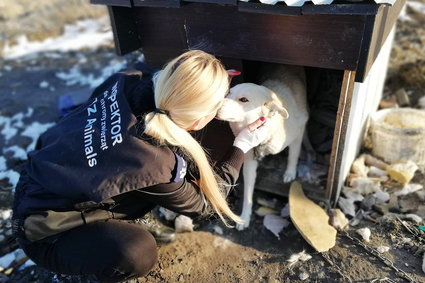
202 122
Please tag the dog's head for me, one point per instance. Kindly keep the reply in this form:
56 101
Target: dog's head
247 102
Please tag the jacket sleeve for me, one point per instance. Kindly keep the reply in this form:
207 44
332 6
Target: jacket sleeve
185 197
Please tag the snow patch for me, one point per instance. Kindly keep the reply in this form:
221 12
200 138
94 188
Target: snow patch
82 34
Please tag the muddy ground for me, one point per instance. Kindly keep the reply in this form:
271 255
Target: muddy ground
207 255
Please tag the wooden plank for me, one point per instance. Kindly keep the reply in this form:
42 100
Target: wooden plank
157 3
326 41
378 31
278 9
220 2
340 9
161 40
120 3
365 101
126 37
340 135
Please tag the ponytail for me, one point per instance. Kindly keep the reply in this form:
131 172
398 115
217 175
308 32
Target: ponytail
190 87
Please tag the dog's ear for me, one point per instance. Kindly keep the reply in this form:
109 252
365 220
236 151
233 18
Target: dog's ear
274 105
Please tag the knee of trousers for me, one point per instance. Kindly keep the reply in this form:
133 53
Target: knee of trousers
137 256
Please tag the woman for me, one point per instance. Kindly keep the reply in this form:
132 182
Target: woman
117 156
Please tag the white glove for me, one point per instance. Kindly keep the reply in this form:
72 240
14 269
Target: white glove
252 135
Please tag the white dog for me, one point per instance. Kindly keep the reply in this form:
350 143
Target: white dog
282 100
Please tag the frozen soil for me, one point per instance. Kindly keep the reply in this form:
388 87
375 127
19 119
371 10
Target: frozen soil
252 255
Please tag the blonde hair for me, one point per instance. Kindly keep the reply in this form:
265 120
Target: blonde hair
190 87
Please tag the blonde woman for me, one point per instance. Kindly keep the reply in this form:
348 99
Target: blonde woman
113 159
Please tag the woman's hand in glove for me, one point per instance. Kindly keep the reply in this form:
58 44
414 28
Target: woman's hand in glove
254 134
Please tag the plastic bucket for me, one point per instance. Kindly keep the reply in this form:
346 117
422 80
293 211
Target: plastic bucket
398 134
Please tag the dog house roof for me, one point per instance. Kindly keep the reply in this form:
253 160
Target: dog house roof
343 35
178 3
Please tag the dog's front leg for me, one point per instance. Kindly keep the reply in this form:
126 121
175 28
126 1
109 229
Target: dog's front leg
294 154
249 176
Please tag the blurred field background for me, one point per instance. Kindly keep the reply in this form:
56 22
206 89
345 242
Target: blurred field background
41 19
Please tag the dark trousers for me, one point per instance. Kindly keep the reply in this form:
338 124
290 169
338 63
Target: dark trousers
113 251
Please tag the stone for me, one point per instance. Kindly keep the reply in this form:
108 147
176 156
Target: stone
368 202
310 220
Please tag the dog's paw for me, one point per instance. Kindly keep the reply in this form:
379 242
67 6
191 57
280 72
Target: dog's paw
289 176
246 217
243 226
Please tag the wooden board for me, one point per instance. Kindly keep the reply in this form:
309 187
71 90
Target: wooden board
310 220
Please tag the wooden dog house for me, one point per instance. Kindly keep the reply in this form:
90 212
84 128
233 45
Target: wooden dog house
351 38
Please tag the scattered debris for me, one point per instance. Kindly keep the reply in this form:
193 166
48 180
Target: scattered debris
183 224
275 224
383 249
381 196
168 214
263 211
273 204
218 230
347 205
364 186
359 168
365 233
338 219
301 256
285 211
376 162
408 189
303 276
402 97
402 172
423 264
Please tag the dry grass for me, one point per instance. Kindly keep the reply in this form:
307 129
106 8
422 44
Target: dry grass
41 19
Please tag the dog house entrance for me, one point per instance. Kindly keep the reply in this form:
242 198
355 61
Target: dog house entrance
323 93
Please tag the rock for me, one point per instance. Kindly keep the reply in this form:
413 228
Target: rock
408 189
310 220
183 224
347 205
338 219
383 249
365 233
402 172
368 202
391 206
381 196
349 194
303 276
423 264
415 218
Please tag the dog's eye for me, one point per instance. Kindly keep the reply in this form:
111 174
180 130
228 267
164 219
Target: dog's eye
243 99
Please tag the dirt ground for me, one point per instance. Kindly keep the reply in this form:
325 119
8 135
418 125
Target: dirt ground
214 253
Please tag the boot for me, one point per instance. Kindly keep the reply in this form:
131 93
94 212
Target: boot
162 233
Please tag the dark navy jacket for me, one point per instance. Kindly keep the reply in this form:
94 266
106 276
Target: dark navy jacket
98 155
